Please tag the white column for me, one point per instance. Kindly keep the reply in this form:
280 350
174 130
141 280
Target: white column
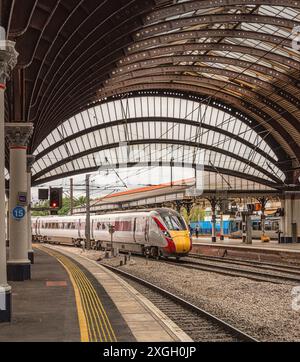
282 221
30 160
288 214
5 289
291 218
18 266
296 216
8 59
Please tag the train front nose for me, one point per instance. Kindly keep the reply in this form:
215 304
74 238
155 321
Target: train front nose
182 241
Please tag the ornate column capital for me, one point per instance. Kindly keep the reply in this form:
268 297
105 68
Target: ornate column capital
18 134
8 56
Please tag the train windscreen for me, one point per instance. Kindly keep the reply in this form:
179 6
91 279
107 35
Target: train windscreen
173 222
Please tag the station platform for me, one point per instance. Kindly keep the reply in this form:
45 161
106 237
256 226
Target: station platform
262 251
73 299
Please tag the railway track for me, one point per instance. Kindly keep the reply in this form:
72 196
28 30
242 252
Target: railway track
247 271
200 325
253 263
232 268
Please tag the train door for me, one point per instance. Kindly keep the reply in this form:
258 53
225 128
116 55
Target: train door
134 230
294 232
92 230
147 231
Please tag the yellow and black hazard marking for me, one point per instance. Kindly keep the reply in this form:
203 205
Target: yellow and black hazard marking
93 320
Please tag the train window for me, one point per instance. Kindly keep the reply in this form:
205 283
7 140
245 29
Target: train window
255 225
234 226
172 221
268 226
275 225
124 225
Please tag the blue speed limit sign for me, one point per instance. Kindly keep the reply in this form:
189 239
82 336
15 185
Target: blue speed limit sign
19 213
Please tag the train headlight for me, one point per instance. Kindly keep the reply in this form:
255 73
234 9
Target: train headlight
167 234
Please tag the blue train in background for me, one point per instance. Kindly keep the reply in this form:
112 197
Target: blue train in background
233 227
205 227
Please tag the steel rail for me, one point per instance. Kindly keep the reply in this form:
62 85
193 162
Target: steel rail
199 311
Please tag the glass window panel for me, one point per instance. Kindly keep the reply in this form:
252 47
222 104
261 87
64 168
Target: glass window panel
171 107
111 111
130 108
120 106
105 113
176 108
103 136
157 106
144 107
92 140
99 114
80 126
190 110
138 107
151 104
110 135
86 120
183 107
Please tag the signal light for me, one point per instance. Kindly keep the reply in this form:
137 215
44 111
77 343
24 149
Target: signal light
55 198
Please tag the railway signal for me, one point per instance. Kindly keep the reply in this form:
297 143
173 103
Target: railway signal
55 199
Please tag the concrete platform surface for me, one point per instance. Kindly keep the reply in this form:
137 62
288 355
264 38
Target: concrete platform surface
146 322
256 244
258 250
71 299
44 309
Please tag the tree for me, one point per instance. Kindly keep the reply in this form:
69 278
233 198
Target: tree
184 214
197 214
41 204
66 208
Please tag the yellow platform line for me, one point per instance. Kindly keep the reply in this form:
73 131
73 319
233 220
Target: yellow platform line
98 307
94 300
91 306
90 310
87 288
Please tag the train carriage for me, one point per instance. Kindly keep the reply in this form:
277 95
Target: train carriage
158 232
272 227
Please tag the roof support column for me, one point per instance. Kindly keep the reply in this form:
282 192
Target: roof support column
291 220
213 202
18 266
8 59
30 161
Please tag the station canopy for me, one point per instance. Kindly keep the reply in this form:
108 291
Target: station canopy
213 82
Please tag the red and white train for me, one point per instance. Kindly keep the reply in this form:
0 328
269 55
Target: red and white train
158 232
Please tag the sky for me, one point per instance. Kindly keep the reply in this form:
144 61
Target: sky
111 181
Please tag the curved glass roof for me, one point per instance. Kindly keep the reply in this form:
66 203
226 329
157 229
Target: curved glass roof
157 129
237 56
